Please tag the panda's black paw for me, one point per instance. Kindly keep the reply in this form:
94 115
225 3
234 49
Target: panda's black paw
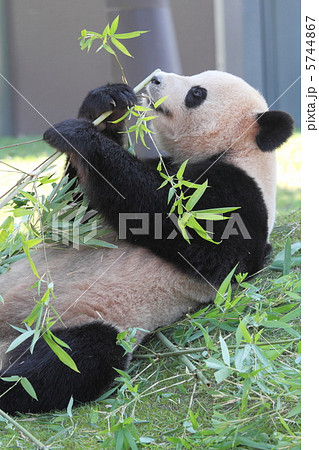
112 97
71 136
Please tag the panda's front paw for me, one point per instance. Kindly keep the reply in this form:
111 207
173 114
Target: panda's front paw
70 136
113 97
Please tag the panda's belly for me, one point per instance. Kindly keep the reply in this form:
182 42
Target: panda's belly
127 286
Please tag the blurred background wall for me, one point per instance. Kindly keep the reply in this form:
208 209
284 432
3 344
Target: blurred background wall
41 58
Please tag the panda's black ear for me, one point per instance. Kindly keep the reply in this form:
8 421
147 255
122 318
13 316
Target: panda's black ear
275 127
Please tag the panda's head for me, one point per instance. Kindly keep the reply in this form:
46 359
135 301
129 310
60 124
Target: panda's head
218 113
211 112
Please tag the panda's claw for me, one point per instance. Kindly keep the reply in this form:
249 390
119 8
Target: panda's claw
107 98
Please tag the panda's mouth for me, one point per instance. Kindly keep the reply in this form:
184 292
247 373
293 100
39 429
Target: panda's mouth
154 95
161 108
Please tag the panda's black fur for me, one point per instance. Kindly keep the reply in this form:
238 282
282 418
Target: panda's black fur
95 353
116 182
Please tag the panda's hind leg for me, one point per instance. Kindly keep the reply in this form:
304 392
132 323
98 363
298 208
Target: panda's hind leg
93 349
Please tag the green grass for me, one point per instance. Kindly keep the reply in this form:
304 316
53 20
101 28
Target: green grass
252 402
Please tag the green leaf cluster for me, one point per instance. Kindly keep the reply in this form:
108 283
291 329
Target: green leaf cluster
108 37
140 128
183 204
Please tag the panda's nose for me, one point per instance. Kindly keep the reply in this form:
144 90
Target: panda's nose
155 80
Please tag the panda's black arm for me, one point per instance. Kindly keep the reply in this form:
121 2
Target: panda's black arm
115 181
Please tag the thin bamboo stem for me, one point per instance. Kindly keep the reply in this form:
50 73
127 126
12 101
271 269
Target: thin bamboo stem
21 143
23 430
185 351
184 359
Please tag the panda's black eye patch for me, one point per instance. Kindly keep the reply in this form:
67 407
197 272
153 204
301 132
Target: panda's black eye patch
195 96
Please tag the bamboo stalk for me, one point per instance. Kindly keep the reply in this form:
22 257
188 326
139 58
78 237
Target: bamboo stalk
184 359
185 351
23 431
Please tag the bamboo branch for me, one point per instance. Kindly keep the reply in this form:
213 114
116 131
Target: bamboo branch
23 430
21 143
185 351
184 359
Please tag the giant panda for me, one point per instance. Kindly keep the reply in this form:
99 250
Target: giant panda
224 128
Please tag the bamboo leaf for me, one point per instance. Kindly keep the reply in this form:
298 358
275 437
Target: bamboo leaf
208 340
114 25
107 48
181 170
183 230
192 223
245 332
287 258
12 379
241 355
26 248
225 351
196 196
245 395
69 407
129 35
141 108
121 118
222 374
262 358
160 101
28 387
121 47
17 341
218 210
190 184
171 194
60 353
220 296
35 313
130 439
97 243
106 31
59 341
208 216
214 363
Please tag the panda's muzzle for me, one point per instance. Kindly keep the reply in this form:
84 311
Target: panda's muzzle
155 94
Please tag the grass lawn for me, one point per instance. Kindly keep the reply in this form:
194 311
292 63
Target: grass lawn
247 348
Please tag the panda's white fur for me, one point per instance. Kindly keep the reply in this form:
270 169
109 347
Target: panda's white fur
196 136
132 286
